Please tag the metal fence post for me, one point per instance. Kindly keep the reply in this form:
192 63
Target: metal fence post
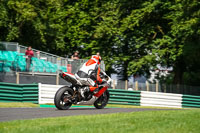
126 84
57 79
136 85
147 85
113 84
17 77
157 86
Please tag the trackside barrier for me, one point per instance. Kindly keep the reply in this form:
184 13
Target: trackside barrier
190 101
125 97
18 92
44 93
47 93
161 99
119 96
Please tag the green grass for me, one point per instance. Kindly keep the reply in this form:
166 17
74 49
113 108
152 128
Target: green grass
17 104
168 121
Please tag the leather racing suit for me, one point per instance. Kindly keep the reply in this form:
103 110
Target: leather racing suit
90 74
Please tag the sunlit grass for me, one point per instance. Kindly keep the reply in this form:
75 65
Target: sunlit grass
165 121
17 104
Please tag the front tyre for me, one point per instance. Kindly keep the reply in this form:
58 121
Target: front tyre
62 99
102 101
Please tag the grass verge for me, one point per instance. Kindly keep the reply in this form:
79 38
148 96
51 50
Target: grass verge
168 121
17 104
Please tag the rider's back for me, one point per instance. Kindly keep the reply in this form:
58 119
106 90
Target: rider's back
89 68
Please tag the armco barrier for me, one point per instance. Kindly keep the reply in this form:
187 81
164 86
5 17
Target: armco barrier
119 96
47 93
190 101
18 92
29 93
157 99
161 99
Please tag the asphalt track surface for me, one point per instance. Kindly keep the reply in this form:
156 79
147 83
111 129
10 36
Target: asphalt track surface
8 114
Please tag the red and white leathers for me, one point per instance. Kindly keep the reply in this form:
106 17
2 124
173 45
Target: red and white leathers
89 73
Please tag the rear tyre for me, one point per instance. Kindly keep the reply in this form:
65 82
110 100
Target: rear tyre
62 99
102 101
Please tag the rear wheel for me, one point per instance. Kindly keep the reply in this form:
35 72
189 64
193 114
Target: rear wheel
62 99
102 101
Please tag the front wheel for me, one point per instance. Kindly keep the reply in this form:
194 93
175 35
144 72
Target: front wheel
102 101
62 99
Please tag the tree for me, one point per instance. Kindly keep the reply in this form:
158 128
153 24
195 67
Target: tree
132 36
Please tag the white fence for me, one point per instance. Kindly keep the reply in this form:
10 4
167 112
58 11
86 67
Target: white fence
160 99
47 93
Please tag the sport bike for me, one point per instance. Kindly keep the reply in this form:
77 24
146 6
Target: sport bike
80 92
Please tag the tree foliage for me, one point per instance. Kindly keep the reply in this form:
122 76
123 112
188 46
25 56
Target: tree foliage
132 36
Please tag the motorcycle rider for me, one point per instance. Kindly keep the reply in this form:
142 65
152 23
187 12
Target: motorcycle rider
89 74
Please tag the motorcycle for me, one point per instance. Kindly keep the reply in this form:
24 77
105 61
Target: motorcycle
80 92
